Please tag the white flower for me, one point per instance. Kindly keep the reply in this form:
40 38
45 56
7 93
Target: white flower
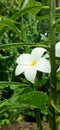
57 49
30 63
57 52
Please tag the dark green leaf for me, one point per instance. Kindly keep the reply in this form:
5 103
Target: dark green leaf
34 99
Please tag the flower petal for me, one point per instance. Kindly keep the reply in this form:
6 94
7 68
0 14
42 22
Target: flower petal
57 49
38 52
20 69
44 65
58 69
30 74
23 59
46 56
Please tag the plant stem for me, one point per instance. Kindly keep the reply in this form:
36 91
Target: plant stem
38 120
52 90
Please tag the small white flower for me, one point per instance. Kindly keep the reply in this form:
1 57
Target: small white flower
30 63
57 52
43 36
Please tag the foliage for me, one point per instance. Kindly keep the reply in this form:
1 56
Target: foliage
23 27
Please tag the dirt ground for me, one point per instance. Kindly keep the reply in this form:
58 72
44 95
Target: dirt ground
24 126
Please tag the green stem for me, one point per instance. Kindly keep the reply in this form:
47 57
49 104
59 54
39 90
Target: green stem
38 120
24 44
52 90
23 30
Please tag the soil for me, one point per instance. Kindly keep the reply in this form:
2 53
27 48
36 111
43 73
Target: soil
24 126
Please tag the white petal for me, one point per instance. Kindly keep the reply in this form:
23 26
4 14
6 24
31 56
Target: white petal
58 69
46 56
30 74
20 69
23 59
57 49
44 65
38 52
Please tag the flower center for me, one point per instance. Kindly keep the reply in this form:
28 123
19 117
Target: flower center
33 62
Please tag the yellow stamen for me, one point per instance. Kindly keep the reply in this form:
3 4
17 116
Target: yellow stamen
33 62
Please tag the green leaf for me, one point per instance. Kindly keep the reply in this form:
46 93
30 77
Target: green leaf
24 11
34 99
13 87
33 3
8 23
2 30
58 28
